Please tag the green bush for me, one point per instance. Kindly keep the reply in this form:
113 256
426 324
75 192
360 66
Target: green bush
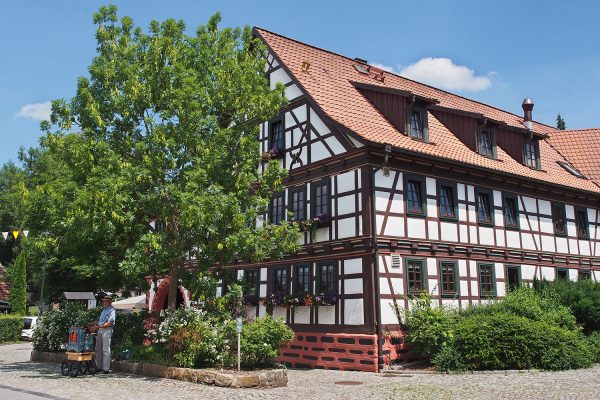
522 331
582 297
429 328
507 341
594 342
525 302
52 330
10 328
128 331
261 340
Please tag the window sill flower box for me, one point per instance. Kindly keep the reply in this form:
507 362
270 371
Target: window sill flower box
326 299
322 220
272 154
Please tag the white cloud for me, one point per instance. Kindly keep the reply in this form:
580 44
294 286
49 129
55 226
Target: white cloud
37 111
385 68
442 73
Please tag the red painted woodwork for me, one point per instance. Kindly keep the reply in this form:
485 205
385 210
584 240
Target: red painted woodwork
392 106
465 128
331 351
512 142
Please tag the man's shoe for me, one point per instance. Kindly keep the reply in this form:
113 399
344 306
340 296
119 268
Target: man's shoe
105 372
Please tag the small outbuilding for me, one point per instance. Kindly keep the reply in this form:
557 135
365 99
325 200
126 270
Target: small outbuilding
86 298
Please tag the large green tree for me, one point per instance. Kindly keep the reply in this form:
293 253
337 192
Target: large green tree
162 132
13 192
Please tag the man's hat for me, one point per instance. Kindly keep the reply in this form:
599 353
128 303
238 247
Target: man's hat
104 296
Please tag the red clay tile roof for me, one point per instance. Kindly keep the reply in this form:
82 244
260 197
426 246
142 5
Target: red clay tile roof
329 84
582 148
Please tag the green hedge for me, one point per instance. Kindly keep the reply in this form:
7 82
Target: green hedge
128 331
582 297
524 330
508 341
10 328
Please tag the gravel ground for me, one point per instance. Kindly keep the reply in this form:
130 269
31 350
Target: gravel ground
22 379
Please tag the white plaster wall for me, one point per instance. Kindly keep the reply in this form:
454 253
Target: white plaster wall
353 266
346 227
388 316
353 312
416 228
327 315
449 231
394 227
353 286
346 181
302 315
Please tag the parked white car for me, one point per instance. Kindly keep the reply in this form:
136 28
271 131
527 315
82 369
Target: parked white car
28 325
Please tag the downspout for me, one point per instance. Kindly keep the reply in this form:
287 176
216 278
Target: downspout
376 295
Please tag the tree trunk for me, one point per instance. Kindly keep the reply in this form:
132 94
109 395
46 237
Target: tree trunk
173 284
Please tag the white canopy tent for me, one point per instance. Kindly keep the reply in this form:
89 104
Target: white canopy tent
131 303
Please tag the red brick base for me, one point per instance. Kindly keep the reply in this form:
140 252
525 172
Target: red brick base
395 348
331 351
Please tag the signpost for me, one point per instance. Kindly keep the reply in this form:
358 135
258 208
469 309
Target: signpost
239 330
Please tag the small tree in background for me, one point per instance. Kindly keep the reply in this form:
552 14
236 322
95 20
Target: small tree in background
18 285
560 123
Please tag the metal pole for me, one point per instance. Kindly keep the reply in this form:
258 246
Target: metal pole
239 340
41 302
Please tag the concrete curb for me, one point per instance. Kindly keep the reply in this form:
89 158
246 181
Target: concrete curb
270 378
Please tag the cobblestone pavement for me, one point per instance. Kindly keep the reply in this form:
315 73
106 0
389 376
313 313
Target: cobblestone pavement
22 379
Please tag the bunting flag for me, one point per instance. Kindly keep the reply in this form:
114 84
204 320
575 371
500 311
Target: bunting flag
153 224
15 234
26 233
5 235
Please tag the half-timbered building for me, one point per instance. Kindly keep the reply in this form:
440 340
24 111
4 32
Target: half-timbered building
412 189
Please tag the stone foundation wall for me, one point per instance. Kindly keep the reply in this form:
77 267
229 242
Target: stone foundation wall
351 352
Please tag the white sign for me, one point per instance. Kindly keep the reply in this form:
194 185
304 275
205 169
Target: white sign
239 324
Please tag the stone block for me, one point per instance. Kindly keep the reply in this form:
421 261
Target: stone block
223 380
247 381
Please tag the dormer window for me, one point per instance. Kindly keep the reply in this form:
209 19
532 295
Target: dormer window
418 124
486 145
276 139
531 155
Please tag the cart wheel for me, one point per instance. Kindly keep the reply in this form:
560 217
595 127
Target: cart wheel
64 368
73 369
83 368
92 367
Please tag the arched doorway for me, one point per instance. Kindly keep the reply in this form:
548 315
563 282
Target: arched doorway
161 297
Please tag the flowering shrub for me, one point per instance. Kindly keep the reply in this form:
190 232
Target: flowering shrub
52 330
192 337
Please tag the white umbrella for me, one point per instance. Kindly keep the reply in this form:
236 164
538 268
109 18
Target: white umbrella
131 303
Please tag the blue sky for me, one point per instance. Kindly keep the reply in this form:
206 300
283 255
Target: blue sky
494 52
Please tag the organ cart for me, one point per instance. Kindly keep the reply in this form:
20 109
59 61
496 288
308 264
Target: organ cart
80 357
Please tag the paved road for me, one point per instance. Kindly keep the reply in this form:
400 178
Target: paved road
22 379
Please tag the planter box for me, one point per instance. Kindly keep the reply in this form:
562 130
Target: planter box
268 378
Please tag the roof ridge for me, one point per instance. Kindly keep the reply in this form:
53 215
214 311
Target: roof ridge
577 130
396 75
